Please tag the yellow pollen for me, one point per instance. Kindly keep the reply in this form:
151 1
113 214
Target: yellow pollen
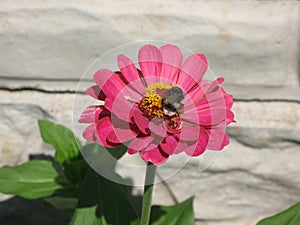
152 89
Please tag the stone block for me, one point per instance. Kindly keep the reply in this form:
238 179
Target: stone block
247 42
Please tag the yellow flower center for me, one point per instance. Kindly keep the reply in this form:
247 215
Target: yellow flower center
153 88
151 104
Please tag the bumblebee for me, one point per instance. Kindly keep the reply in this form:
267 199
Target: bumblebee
171 101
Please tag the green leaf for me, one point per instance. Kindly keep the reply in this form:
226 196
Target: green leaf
180 214
62 139
104 159
103 202
290 216
34 179
61 202
118 151
76 170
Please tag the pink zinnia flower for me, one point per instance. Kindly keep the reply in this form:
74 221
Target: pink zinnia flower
160 109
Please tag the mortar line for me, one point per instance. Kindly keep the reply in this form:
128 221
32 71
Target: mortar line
82 93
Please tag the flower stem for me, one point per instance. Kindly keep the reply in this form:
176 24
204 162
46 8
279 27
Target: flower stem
148 190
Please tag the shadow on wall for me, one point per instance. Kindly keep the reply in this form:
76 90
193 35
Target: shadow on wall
20 211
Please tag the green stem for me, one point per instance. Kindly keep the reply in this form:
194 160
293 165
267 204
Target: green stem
148 190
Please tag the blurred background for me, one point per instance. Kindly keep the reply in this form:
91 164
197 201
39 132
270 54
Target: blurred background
46 46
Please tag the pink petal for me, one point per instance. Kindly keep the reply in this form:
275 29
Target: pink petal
228 99
208 117
151 146
230 118
104 127
190 116
155 156
95 92
139 144
189 132
218 139
211 86
192 72
157 128
229 103
92 114
172 59
131 151
180 147
109 103
120 105
213 117
130 73
140 120
199 146
90 133
112 86
200 90
215 99
150 61
120 135
117 131
169 145
213 108
102 76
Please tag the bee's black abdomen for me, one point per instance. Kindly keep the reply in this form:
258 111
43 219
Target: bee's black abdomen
172 98
168 105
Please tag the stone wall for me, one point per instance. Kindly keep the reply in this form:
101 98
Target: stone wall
45 47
